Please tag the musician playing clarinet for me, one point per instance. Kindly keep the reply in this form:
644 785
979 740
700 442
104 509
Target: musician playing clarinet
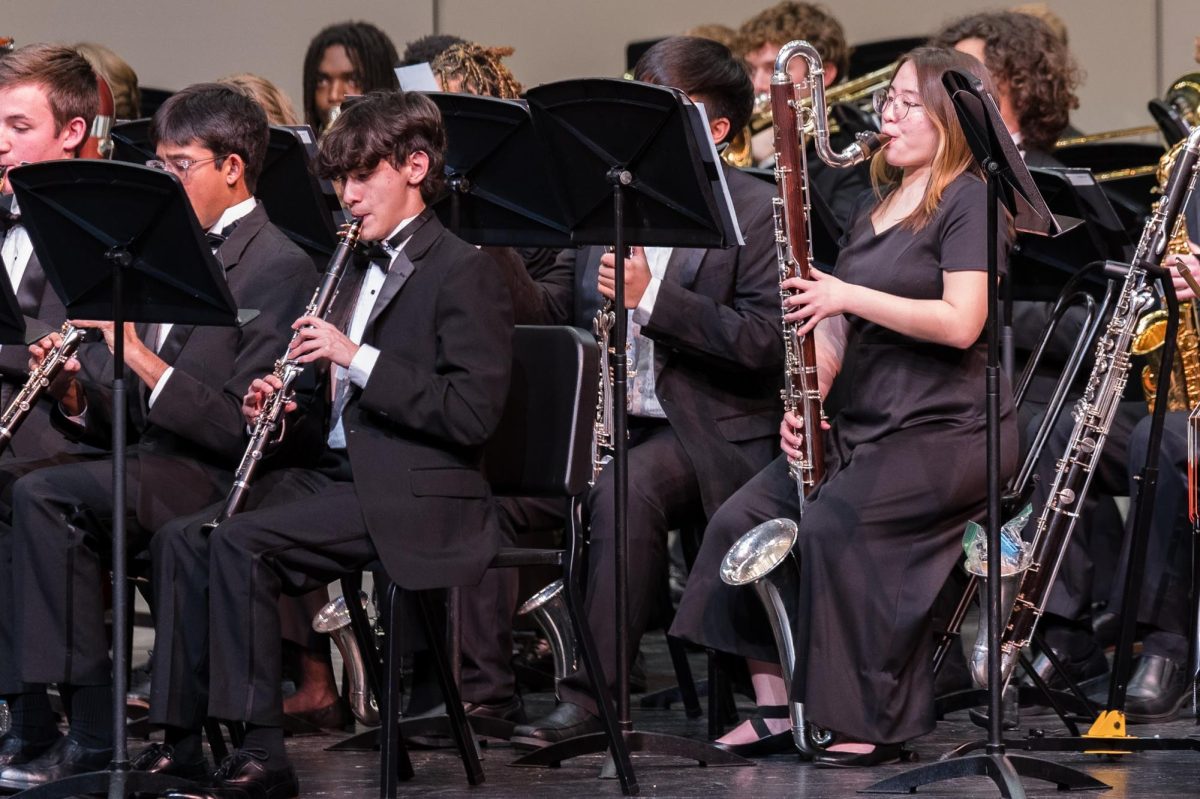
898 329
185 397
418 376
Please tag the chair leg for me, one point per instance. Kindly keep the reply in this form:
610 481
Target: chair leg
394 764
464 737
684 678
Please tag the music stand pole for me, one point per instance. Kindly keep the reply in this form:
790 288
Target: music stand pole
619 178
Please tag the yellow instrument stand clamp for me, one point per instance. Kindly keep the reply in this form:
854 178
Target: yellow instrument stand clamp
1109 724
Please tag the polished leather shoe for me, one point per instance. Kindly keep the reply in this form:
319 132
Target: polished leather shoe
16 751
880 755
568 720
246 774
160 759
1157 689
65 758
767 743
512 711
335 716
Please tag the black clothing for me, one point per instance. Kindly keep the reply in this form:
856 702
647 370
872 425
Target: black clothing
879 535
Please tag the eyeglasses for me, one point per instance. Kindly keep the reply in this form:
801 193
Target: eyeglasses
882 99
180 166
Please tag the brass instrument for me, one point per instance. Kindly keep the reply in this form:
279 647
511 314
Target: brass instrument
268 427
1184 374
1093 418
38 381
334 620
755 556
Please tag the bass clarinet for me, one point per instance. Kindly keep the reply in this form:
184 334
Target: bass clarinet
268 428
1093 418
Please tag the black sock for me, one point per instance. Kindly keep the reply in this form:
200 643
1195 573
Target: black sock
33 720
269 740
186 743
90 710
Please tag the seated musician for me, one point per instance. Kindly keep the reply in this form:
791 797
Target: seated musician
184 401
708 357
344 59
762 36
898 327
48 99
425 49
419 380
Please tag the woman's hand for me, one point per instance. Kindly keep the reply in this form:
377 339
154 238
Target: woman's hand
814 299
791 437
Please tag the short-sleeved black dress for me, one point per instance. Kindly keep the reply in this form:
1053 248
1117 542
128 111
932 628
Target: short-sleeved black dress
905 467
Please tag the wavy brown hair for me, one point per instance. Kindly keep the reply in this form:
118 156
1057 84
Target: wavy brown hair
1030 64
953 156
783 22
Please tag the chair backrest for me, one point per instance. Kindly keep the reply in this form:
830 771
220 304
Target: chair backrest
542 446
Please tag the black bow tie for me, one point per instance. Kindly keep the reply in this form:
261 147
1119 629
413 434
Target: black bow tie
215 240
7 217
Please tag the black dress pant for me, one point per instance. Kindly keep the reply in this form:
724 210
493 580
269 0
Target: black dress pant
217 606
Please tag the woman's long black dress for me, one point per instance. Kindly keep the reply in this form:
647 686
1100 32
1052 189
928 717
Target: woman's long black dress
905 467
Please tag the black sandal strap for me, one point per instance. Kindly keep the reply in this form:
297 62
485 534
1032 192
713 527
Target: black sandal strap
772 712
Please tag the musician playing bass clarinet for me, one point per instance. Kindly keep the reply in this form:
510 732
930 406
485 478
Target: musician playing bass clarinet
898 331
185 405
418 377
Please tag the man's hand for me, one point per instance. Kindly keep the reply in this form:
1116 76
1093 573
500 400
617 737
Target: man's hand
259 394
132 342
318 339
1178 263
65 388
637 276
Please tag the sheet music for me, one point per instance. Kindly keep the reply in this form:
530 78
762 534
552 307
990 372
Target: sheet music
700 125
417 78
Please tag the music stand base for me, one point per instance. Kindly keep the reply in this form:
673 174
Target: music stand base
1004 771
651 743
366 741
112 782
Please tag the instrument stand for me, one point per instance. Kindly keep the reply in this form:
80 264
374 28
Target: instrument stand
643 152
88 218
1004 172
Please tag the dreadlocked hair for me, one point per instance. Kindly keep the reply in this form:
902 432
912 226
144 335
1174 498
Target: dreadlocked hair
369 50
479 69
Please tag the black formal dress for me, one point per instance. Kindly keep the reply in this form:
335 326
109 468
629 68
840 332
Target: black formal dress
879 535
405 489
190 440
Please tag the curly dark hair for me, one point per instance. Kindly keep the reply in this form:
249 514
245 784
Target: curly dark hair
1029 63
480 68
786 21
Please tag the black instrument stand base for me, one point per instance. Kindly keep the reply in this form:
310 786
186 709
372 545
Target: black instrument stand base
1005 772
112 782
651 743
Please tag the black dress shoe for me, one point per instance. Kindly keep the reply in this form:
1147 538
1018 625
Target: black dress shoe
566 721
767 743
512 711
246 774
335 716
1157 689
160 759
65 758
16 751
880 755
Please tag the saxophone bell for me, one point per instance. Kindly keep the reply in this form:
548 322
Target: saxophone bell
334 620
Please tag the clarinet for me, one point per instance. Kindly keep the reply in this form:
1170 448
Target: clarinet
1093 417
268 427
38 381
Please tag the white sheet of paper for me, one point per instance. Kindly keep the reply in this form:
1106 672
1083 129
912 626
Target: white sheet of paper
417 78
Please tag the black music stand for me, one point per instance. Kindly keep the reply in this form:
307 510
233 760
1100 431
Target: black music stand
1008 181
120 242
634 164
499 186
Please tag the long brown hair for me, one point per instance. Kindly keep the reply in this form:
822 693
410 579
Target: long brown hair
953 156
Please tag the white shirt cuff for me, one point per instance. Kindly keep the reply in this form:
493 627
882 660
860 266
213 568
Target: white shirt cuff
158 387
362 364
641 314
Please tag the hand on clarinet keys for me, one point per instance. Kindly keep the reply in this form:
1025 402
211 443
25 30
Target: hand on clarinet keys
259 394
791 437
814 299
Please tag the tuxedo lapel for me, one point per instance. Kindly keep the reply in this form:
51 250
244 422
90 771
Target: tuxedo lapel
397 276
33 285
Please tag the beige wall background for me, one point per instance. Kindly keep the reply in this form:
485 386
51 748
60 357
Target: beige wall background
1128 48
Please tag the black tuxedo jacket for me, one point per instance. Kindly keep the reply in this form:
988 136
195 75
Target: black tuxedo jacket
190 441
415 433
718 347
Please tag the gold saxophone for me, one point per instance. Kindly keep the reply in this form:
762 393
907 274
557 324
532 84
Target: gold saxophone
1184 391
